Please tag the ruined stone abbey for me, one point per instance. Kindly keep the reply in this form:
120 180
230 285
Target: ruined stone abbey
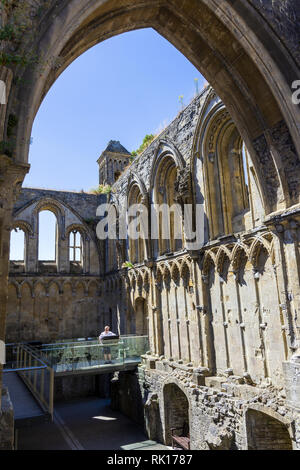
222 319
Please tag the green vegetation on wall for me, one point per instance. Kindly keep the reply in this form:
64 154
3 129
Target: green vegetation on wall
102 189
146 142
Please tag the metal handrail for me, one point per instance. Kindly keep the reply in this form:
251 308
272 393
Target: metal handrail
27 368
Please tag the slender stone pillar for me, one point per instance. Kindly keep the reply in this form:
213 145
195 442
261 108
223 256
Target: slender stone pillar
11 178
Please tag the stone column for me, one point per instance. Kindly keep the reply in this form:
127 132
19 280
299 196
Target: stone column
196 329
32 249
288 231
6 76
205 321
287 260
157 311
11 178
63 249
125 296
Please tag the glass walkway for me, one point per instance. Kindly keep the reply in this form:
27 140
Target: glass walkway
88 356
36 365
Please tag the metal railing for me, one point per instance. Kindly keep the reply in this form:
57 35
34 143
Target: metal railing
35 373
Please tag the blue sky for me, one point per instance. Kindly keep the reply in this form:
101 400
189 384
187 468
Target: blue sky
122 89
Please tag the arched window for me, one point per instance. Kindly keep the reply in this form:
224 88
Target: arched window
75 246
141 321
167 209
117 175
228 185
111 246
17 245
254 196
47 236
137 251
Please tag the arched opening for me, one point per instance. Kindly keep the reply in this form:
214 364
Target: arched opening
167 209
238 62
137 251
176 409
265 432
229 63
47 240
224 172
75 251
141 317
17 254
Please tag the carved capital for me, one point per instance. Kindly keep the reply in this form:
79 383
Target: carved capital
11 179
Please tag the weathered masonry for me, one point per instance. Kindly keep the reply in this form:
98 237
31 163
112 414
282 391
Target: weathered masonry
220 319
223 320
61 298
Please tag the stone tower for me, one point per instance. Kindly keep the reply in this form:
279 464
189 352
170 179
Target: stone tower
112 162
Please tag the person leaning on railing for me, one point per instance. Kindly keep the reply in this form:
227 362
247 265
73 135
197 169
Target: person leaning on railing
107 353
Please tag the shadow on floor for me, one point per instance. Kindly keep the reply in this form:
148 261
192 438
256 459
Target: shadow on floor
88 424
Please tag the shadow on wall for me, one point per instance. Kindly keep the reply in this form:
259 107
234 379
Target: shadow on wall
265 432
130 396
176 408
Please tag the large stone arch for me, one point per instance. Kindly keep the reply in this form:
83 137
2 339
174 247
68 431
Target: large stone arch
233 45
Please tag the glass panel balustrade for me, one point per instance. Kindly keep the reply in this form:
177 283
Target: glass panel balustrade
134 347
75 356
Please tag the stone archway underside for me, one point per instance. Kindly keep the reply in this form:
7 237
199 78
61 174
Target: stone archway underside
236 45
231 44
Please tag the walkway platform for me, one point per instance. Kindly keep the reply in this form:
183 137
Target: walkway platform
31 369
27 411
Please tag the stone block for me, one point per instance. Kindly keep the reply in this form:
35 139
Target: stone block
291 371
215 382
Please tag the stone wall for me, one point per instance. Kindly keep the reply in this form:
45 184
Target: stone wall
83 204
49 309
237 317
222 319
6 422
283 15
224 414
49 301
